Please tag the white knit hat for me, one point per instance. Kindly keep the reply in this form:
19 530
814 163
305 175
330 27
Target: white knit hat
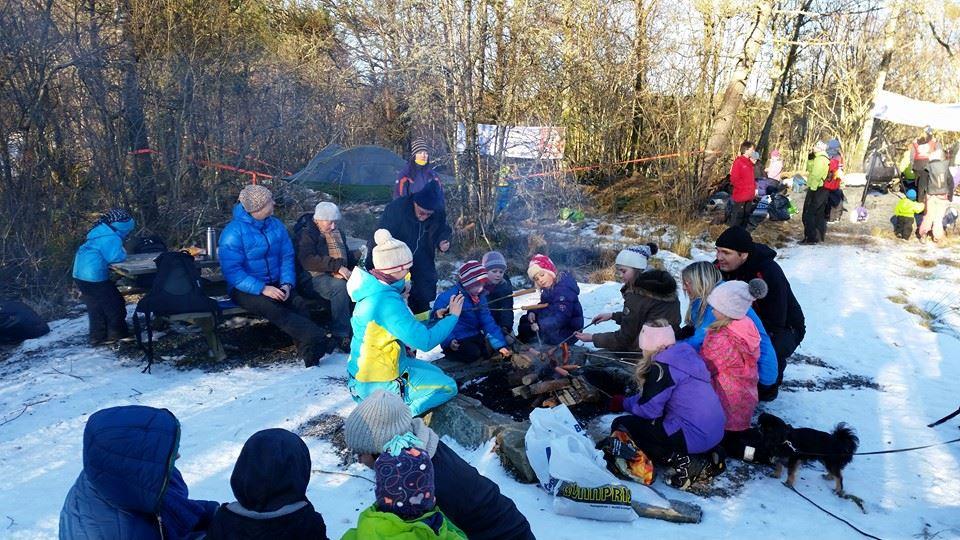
326 211
390 254
377 419
733 298
637 256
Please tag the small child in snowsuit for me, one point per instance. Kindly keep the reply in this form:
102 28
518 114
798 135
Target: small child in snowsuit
468 340
563 315
499 292
406 505
106 309
731 350
675 417
904 214
647 295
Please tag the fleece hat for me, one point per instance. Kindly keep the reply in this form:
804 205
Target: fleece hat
419 144
734 298
273 470
254 198
390 254
737 239
637 256
380 417
405 483
472 273
326 211
912 194
653 338
541 263
430 197
493 260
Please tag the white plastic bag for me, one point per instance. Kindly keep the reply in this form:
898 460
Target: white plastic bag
574 471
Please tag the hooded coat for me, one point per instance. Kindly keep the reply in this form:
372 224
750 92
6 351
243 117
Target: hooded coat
270 481
678 389
255 253
743 180
103 247
373 523
653 295
128 487
474 320
766 366
731 355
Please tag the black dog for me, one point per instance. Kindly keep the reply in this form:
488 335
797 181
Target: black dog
798 445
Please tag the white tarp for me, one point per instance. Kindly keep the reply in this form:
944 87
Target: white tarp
913 112
527 142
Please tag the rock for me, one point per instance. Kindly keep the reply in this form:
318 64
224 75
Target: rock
513 452
468 421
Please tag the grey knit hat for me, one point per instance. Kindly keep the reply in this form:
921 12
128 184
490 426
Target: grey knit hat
254 198
377 419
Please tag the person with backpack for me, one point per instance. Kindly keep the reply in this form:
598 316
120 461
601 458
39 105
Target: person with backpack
106 308
834 181
417 173
324 263
904 215
270 481
817 198
935 188
257 259
744 185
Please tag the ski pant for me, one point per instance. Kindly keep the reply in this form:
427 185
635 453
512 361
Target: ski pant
290 316
106 309
334 290
815 215
423 290
933 218
902 226
740 214
471 349
650 437
422 386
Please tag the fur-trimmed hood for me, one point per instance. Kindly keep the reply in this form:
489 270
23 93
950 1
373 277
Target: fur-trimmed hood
656 284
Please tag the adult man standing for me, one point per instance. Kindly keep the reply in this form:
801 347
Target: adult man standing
739 258
420 222
815 203
744 186
256 256
324 263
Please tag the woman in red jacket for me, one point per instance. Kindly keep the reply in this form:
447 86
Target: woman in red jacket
744 186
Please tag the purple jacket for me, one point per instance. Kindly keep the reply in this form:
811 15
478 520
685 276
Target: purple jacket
678 389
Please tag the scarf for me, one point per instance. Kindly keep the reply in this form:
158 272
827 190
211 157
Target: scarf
335 245
384 277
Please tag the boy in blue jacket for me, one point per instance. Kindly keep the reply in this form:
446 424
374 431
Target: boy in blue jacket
468 340
106 308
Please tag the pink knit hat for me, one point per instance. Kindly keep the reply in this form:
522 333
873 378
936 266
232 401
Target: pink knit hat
733 298
653 338
541 263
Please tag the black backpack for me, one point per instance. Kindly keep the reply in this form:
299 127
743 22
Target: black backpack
176 289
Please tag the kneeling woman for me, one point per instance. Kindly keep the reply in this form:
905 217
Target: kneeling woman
676 413
382 324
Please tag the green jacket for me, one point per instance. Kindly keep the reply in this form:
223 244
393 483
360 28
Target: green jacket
817 169
386 526
907 208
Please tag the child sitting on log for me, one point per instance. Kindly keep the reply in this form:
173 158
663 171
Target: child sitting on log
468 340
499 292
555 323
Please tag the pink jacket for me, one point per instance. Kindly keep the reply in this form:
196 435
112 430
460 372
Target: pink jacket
731 355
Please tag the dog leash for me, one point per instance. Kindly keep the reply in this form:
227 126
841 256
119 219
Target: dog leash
829 513
945 418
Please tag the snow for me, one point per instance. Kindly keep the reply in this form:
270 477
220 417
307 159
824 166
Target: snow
857 325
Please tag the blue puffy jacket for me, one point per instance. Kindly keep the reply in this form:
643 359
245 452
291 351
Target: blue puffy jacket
255 253
475 318
103 247
766 366
129 487
563 315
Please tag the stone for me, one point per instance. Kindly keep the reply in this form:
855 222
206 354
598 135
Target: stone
512 449
468 422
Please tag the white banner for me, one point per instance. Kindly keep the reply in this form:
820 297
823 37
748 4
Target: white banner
912 112
526 142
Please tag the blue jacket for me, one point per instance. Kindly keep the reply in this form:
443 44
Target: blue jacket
475 318
766 366
129 487
255 253
563 315
103 247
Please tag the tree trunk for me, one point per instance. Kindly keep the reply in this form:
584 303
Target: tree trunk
859 151
639 80
733 96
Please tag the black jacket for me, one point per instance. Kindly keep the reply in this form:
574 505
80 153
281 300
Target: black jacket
313 255
779 311
652 296
473 502
423 239
502 309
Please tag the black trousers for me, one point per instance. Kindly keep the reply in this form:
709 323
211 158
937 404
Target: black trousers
106 309
471 349
651 437
785 343
903 226
815 215
291 316
422 292
740 214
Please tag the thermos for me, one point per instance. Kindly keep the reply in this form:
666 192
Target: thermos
211 243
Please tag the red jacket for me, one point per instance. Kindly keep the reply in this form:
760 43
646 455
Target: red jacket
742 179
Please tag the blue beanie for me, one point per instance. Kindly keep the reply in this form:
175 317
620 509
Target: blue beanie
430 197
912 194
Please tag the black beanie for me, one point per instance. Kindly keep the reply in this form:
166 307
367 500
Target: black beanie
430 197
737 239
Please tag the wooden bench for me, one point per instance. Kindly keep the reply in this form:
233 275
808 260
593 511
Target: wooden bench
208 325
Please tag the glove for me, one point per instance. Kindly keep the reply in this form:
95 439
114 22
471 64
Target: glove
616 403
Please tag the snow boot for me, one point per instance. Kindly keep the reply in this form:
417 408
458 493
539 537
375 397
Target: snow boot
695 468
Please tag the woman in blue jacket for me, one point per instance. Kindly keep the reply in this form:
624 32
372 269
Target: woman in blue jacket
106 308
257 260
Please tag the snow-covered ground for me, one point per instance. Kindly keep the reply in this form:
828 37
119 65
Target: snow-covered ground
881 369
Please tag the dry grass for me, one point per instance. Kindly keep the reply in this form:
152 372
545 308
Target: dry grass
536 243
601 275
899 298
949 262
630 232
924 263
682 245
604 228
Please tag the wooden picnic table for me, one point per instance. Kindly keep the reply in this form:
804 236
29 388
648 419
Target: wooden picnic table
141 264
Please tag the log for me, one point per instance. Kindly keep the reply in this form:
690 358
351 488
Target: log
678 512
529 379
549 386
522 391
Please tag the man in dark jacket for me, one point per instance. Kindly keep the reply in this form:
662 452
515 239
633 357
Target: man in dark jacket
128 487
420 222
739 258
270 482
471 501
324 262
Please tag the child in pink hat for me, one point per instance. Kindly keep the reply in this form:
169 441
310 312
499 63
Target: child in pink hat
563 315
